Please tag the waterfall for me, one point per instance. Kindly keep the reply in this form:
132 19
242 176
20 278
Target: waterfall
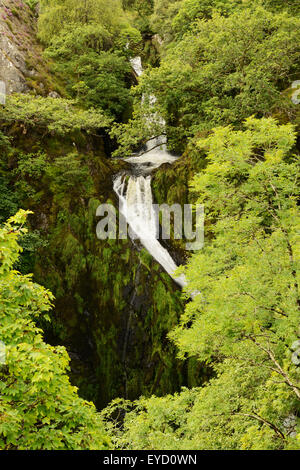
135 194
136 64
154 156
136 205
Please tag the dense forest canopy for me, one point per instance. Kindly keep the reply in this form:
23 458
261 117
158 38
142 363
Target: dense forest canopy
219 371
215 74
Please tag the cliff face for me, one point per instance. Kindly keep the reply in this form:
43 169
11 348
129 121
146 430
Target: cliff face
22 67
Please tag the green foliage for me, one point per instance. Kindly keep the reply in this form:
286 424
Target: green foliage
143 7
31 165
192 10
173 18
68 176
8 200
246 316
56 15
101 81
239 330
163 16
137 131
140 12
32 4
4 142
90 42
53 114
21 181
283 5
30 243
39 408
218 75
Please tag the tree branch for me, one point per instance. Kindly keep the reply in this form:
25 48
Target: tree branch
278 368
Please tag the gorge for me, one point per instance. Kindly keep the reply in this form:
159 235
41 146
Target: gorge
149 341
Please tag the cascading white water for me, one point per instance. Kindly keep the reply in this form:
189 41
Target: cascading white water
136 64
135 195
153 156
136 205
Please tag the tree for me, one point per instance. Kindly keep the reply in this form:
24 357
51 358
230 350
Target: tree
102 81
163 16
245 319
218 75
192 10
283 5
53 114
55 16
39 409
90 43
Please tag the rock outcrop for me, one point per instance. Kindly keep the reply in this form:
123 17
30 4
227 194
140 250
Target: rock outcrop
22 66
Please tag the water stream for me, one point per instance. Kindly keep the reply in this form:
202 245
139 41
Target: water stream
136 199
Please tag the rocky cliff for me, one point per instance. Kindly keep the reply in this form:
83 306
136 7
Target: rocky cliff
22 67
